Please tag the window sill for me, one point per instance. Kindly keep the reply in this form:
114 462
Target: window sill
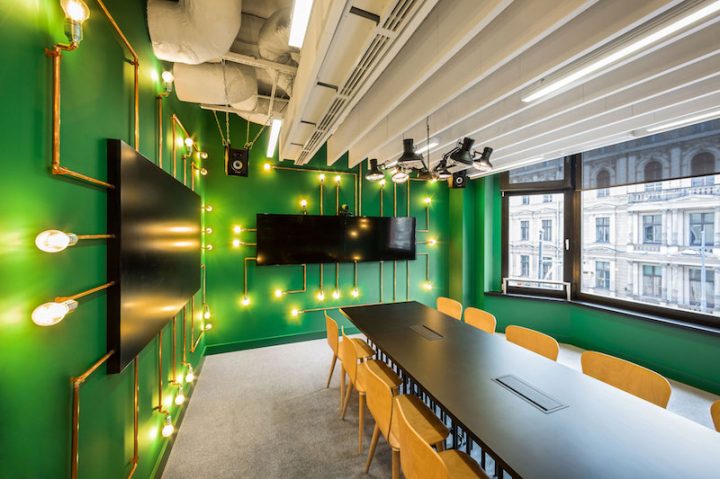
698 328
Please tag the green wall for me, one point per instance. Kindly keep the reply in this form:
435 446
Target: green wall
680 354
267 319
36 363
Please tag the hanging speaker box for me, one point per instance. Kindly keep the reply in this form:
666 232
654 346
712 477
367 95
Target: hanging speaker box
459 179
236 161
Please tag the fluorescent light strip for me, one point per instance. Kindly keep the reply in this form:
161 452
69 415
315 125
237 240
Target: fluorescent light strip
300 19
274 135
626 51
428 147
530 161
686 121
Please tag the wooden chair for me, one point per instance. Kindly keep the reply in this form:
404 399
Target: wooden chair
349 358
450 307
627 376
715 413
379 394
420 461
333 334
480 319
534 341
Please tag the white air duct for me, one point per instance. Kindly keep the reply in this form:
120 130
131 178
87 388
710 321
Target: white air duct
193 31
255 109
206 83
273 37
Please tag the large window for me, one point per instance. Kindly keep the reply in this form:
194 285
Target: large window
634 226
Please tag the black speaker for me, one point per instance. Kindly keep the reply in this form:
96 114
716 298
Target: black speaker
459 179
236 161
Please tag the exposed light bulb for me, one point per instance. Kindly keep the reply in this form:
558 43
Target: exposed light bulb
382 182
236 243
167 76
208 326
208 231
267 167
427 285
336 294
179 379
179 141
203 155
321 295
206 312
54 241
52 313
237 229
427 200
203 171
208 247
278 293
355 293
245 301
190 376
294 312
168 429
321 178
338 179
189 142
432 241
76 10
180 399
208 208
303 204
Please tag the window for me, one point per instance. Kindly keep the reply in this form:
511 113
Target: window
602 229
602 274
651 229
547 266
524 266
651 281
703 165
546 230
702 229
524 230
547 198
526 200
603 183
701 290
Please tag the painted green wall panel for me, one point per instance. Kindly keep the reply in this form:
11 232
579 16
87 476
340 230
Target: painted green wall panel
37 363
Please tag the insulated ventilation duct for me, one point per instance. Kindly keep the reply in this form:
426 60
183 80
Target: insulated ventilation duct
193 31
206 83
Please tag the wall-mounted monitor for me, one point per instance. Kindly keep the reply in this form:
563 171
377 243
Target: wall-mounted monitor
155 256
298 239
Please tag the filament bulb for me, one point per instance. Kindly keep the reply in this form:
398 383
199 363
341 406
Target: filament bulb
321 296
167 76
355 293
190 376
180 399
294 312
52 313
245 301
168 429
54 241
336 294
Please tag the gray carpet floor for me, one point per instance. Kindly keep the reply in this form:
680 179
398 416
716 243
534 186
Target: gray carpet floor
265 413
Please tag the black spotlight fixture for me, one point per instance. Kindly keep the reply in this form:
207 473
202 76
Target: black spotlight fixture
409 154
463 152
374 173
483 163
442 171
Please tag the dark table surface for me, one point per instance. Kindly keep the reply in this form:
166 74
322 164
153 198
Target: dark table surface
602 433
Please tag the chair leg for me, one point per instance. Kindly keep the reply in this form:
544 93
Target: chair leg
332 369
342 387
348 390
395 464
373 445
361 421
440 446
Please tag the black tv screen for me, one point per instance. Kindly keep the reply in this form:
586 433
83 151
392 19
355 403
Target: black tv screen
154 258
298 239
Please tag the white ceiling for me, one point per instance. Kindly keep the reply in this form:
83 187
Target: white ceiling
466 64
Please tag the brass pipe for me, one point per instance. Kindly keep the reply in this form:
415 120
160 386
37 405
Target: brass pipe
174 349
94 237
358 191
394 280
75 428
203 273
381 280
427 221
197 341
159 407
245 272
304 288
159 109
394 199
427 265
407 199
337 198
382 193
337 276
355 274
322 279
184 334
244 243
174 146
136 448
322 197
60 299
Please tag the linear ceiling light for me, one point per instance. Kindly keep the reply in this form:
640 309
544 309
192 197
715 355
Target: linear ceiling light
427 147
625 51
686 121
274 135
300 19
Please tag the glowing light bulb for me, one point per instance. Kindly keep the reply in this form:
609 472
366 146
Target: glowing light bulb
338 179
190 376
336 294
208 247
168 429
167 401
294 312
427 285
245 301
206 312
167 76
355 293
303 203
179 141
208 208
321 178
427 200
76 10
382 183
237 229
236 243
321 295
52 313
203 155
267 167
180 399
179 379
432 241
54 241
278 293
203 171
189 142
208 326
208 231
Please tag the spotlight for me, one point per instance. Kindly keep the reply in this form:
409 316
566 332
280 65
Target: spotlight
336 294
190 376
168 429
462 153
409 155
374 173
321 295
76 12
400 177
54 241
483 163
168 78
245 301
49 314
442 172
355 293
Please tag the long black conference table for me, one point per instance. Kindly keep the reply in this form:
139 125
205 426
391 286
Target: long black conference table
561 423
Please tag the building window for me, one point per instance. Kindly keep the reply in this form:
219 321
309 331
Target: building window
651 281
702 290
524 230
651 229
547 198
702 229
547 266
602 180
546 230
524 266
602 229
703 166
602 274
652 173
526 200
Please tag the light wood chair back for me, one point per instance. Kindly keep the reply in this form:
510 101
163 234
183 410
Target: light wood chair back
534 341
480 319
379 396
332 333
450 307
629 377
715 413
348 357
418 459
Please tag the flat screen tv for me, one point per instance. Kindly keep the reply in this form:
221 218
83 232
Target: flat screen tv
154 258
298 239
